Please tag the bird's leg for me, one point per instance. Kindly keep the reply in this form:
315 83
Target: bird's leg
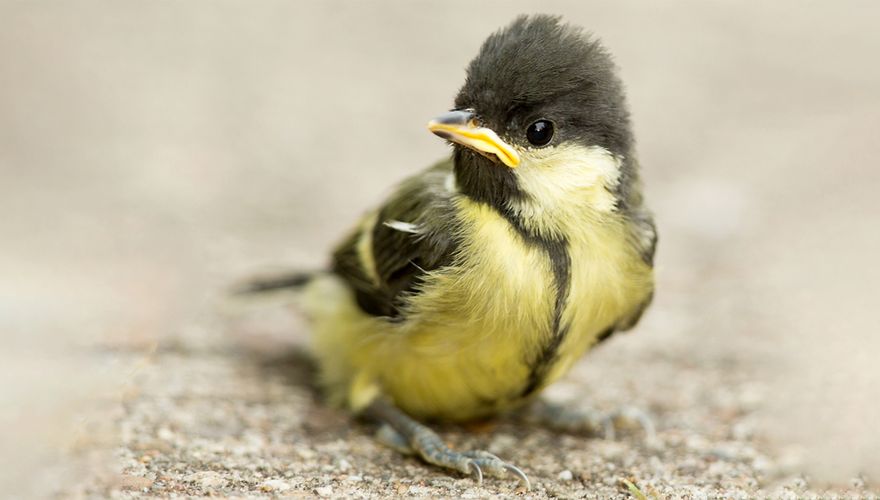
588 422
404 434
394 440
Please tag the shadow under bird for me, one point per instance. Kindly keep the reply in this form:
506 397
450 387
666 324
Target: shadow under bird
482 279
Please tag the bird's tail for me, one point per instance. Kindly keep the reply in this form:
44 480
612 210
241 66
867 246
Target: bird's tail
247 303
262 291
271 283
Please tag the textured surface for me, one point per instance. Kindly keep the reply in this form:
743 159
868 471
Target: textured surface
152 153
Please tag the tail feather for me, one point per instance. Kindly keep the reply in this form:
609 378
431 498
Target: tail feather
273 283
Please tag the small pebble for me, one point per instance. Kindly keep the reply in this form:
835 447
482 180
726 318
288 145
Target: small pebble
276 485
565 475
165 434
324 491
208 480
134 483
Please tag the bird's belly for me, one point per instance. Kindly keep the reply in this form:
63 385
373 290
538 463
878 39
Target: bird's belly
473 333
464 349
479 330
462 352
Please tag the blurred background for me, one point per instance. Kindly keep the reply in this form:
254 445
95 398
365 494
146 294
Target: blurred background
151 153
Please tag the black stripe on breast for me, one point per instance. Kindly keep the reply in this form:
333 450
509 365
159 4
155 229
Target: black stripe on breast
560 262
496 185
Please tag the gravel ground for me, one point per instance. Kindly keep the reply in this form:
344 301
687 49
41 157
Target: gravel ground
153 153
219 421
204 418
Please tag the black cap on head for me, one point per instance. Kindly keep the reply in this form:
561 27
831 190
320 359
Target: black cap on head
538 67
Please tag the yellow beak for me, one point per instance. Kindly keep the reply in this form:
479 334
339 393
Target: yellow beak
461 127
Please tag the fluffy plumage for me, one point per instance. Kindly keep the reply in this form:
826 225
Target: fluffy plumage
476 284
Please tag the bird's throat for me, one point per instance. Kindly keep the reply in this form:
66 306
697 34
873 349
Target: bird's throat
485 181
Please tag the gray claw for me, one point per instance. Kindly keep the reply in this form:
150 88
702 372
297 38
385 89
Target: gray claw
477 472
520 474
405 434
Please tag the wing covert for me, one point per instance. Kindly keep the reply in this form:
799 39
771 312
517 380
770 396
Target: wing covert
385 259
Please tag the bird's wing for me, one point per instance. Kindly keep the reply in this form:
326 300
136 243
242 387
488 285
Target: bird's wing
644 239
412 234
645 232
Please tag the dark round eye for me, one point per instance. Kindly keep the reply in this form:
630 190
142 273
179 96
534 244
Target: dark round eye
540 132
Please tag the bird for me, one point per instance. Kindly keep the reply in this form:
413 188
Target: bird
482 279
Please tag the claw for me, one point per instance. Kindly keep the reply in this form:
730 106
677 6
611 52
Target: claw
589 422
422 441
477 472
519 474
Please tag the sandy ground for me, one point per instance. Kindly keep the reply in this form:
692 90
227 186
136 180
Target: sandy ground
151 153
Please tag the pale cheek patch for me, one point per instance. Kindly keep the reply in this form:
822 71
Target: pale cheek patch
566 181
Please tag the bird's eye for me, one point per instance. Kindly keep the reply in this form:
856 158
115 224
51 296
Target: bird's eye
540 132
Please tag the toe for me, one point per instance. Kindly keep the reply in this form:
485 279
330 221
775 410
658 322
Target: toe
492 465
523 478
477 472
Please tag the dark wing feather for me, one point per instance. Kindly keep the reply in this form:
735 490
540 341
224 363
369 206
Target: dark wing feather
644 235
402 257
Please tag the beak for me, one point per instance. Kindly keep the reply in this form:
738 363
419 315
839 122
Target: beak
461 127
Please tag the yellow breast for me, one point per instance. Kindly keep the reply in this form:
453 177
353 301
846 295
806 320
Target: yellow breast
461 352
609 284
475 328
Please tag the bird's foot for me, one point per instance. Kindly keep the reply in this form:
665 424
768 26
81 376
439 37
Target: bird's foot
591 422
408 436
428 445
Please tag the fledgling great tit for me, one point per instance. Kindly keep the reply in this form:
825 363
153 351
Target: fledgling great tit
483 278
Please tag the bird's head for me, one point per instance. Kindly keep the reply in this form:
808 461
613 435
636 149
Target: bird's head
541 122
